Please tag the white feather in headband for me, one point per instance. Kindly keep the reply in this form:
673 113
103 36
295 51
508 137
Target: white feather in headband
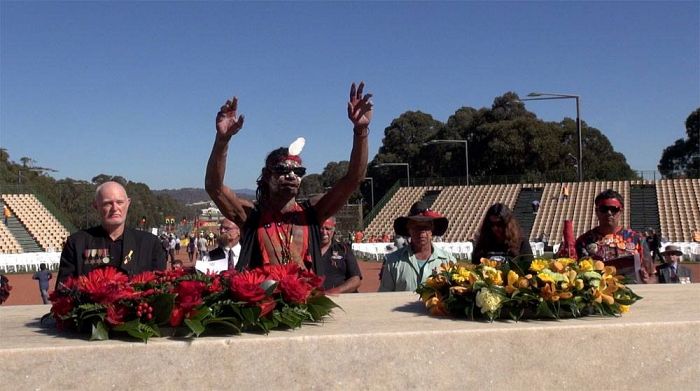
296 147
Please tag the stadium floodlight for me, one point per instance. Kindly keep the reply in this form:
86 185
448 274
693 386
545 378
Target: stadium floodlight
552 95
408 175
371 183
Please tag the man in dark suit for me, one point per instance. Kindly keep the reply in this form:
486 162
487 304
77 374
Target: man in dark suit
671 272
229 247
110 244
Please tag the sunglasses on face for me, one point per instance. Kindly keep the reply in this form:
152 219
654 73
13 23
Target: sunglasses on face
605 209
283 169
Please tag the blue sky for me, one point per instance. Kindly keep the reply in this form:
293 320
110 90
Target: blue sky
132 88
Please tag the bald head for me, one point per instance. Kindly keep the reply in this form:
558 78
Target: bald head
112 204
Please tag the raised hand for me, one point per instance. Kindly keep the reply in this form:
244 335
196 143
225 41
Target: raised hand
228 122
359 107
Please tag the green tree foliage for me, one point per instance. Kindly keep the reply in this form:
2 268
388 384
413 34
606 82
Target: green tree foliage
682 158
311 185
314 184
73 198
506 143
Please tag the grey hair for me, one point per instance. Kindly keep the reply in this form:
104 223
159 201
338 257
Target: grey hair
99 188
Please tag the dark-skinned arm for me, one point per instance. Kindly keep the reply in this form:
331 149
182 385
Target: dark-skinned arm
360 114
228 123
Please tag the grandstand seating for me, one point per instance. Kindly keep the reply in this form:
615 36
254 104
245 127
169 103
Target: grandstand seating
398 205
679 208
39 222
465 207
8 243
579 208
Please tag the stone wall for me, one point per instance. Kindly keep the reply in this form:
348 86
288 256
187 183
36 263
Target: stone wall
380 341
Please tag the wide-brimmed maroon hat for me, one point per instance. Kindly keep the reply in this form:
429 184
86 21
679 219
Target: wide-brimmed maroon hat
420 212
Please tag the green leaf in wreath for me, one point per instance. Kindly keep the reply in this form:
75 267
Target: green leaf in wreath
195 326
232 325
99 332
136 329
544 309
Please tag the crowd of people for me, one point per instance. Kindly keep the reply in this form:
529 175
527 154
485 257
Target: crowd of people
276 228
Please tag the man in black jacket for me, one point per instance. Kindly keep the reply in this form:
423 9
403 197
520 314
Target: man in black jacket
229 248
110 244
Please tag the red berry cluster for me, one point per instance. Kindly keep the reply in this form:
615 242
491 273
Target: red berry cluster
144 310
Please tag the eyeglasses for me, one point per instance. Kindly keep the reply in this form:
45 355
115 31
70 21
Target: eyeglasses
325 228
605 209
283 169
226 229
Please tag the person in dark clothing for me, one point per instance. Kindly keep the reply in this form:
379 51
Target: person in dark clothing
341 272
654 244
43 276
111 243
277 229
500 236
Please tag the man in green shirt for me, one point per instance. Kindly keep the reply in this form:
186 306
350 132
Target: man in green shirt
411 265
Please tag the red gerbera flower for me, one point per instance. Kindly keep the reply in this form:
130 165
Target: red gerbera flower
62 305
245 286
266 306
294 290
143 278
312 278
278 272
189 294
105 285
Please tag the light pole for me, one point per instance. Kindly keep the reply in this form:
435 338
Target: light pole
371 183
466 152
550 96
408 175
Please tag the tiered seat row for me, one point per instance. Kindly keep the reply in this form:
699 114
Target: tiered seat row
578 207
679 208
40 223
678 203
8 243
398 205
466 207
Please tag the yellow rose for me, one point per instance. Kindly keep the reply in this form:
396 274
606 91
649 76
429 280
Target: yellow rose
539 264
492 275
557 266
566 261
585 265
545 277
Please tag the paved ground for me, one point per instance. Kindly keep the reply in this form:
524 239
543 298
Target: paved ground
26 291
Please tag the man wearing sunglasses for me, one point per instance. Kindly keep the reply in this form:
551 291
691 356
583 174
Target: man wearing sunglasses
229 248
276 229
610 242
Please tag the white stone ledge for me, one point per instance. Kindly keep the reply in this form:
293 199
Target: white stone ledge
382 341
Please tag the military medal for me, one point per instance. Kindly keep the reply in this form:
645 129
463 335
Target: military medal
127 259
105 257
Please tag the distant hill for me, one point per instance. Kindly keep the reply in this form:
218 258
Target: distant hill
189 195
